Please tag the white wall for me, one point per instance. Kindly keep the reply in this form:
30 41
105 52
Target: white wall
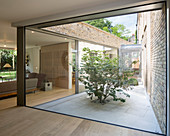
88 45
34 62
94 47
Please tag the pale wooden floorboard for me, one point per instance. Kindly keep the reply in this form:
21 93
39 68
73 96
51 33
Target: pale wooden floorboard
38 97
23 121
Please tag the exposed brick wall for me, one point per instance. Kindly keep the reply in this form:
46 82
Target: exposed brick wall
158 96
90 33
155 52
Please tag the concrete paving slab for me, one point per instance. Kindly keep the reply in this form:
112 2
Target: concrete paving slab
136 112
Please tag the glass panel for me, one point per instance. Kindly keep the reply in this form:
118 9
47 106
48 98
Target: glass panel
49 73
8 59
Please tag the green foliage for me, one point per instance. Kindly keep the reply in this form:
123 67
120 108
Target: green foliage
136 39
7 57
100 23
133 81
106 25
102 76
8 75
120 31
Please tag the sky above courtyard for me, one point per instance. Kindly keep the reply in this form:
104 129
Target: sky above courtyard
129 21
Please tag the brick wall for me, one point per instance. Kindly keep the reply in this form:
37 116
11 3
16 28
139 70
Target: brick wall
152 35
89 33
158 52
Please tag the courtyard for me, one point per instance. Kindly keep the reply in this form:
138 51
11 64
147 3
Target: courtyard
136 112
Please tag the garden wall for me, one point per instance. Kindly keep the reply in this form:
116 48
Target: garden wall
152 36
89 33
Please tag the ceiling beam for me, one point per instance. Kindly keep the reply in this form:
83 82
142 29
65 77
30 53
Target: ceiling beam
113 10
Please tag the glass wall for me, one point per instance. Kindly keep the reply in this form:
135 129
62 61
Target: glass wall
8 58
8 83
50 74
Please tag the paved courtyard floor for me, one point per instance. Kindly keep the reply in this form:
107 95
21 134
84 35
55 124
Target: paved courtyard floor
136 112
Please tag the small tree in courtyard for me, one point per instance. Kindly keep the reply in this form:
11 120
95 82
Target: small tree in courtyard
103 76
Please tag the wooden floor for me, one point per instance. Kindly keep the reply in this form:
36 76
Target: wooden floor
23 121
38 97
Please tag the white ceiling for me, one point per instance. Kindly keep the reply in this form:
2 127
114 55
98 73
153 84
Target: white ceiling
21 10
40 39
26 12
7 35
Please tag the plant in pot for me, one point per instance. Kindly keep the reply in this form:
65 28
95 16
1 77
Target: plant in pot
103 77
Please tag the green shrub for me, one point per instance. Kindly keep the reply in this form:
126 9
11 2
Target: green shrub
133 81
103 76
